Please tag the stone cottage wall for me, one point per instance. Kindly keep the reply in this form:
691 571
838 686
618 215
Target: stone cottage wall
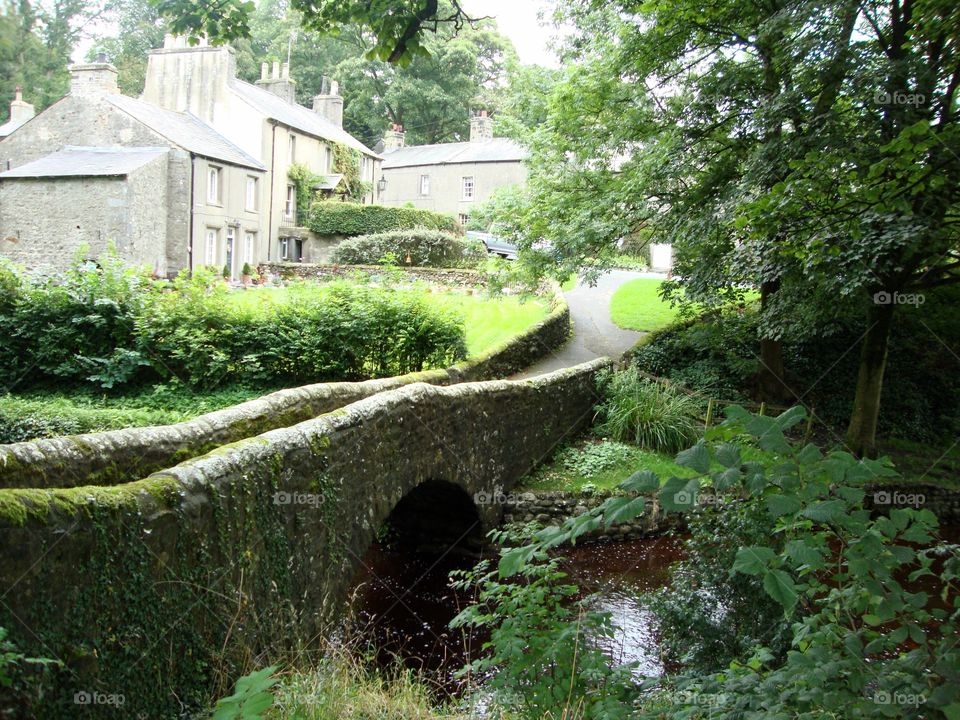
247 552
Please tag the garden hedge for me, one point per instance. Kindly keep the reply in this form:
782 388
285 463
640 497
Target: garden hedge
339 218
417 248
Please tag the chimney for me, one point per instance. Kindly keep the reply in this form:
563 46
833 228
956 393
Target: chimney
481 127
20 111
328 103
94 78
190 78
278 82
393 138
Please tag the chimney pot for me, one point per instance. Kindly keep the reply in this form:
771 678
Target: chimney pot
263 70
276 69
286 71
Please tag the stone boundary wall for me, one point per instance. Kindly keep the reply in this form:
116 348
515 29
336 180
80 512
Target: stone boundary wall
117 456
553 507
457 277
249 551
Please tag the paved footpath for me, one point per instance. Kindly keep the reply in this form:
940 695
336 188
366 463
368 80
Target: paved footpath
594 333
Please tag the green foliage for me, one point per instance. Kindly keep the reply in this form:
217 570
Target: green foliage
418 248
19 676
651 414
304 181
346 162
337 218
870 604
717 355
594 457
251 698
112 327
545 658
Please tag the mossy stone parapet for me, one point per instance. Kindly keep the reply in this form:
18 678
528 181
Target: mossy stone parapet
119 456
155 587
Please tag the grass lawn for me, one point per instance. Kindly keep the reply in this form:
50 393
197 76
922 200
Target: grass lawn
603 464
636 305
488 321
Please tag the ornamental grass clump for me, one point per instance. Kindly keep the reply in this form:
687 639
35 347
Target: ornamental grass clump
651 414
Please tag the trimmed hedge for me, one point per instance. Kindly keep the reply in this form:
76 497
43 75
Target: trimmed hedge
424 248
338 218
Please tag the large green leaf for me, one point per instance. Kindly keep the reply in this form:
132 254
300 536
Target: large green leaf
779 585
753 560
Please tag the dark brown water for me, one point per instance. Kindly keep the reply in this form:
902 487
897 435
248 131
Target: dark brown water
403 604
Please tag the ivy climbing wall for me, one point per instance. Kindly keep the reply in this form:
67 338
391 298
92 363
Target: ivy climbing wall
165 589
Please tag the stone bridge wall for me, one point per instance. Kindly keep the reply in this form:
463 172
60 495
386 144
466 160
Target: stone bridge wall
119 456
183 578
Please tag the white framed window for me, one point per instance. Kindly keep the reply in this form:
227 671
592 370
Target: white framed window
292 148
250 199
424 185
249 241
329 160
213 185
284 248
210 247
468 188
462 218
290 206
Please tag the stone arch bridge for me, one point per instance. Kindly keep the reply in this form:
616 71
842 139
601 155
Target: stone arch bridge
244 555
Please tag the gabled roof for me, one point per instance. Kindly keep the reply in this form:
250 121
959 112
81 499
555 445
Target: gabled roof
185 130
76 161
296 116
495 150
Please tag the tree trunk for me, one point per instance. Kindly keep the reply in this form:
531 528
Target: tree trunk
770 384
862 431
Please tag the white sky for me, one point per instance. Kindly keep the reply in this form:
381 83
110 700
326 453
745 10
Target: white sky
518 20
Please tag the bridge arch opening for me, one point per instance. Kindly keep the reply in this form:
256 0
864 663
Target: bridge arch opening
435 517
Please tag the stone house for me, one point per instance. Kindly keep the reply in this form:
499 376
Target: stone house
73 181
451 177
193 173
264 120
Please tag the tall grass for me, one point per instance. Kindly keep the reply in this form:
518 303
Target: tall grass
344 687
650 414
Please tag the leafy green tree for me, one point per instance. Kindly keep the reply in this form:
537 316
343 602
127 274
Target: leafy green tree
139 29
398 27
26 59
433 95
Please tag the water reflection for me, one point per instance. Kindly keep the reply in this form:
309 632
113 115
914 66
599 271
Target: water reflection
403 604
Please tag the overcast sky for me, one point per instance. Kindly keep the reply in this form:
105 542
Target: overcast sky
518 20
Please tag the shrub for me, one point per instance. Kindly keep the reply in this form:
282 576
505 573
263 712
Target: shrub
650 414
338 218
595 457
425 248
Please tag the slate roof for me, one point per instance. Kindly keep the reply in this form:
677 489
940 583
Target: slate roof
10 125
495 150
185 130
75 161
296 116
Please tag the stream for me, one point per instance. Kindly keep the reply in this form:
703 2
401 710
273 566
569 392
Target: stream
402 604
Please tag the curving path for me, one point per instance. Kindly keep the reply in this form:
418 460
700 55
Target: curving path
594 333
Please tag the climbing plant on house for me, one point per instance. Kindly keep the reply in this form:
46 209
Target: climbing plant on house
346 162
